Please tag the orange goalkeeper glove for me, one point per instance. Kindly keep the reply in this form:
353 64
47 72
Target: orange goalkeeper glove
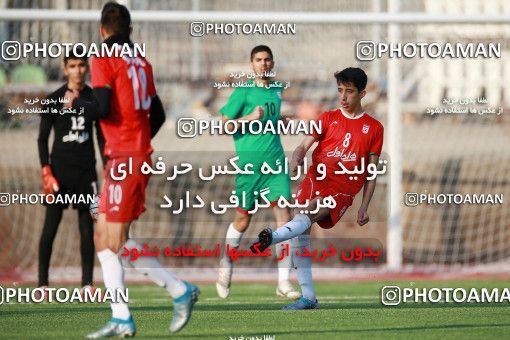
50 184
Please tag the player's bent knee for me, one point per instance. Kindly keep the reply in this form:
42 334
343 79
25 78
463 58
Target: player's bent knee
116 235
115 247
241 222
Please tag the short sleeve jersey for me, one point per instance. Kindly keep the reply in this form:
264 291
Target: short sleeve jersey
349 141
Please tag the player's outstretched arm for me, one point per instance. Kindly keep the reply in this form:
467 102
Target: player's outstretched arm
368 192
157 115
300 152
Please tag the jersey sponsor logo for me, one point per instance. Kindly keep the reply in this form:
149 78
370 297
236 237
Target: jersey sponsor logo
365 128
335 122
76 136
345 157
114 208
279 94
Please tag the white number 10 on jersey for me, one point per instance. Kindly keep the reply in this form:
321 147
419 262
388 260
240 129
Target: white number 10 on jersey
139 81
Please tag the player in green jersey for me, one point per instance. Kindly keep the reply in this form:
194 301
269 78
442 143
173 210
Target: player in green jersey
257 101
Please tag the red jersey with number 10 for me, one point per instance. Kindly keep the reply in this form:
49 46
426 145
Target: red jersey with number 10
349 141
127 129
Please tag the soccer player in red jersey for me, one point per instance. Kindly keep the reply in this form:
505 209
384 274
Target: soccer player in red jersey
131 114
350 136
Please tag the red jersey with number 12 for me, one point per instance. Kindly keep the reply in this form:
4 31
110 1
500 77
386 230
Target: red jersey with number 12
347 140
127 128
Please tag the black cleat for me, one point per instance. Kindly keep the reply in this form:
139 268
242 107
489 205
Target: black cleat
264 241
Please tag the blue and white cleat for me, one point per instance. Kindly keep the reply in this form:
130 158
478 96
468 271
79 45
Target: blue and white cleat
302 303
183 306
115 327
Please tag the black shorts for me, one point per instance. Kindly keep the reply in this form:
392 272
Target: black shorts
74 180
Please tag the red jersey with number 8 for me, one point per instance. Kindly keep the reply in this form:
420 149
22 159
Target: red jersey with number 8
349 141
127 128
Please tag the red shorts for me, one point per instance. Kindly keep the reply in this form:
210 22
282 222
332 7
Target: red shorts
309 189
123 200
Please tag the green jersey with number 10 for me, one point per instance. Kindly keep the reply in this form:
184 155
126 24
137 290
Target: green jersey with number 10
253 147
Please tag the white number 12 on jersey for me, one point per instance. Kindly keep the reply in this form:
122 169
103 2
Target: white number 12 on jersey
139 80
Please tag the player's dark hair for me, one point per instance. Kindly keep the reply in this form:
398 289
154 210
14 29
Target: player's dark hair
353 75
80 54
260 48
115 18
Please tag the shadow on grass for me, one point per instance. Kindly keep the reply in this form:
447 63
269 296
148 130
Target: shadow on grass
335 331
52 310
334 306
219 307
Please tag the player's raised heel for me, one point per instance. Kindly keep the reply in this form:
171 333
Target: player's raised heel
115 327
264 241
302 303
286 290
183 306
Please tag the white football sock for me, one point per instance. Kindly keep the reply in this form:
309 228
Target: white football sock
304 266
233 239
113 276
151 267
291 229
285 264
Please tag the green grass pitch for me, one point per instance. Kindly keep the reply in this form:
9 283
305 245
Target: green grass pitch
348 311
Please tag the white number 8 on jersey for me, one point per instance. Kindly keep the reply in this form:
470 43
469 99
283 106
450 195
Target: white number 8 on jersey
347 140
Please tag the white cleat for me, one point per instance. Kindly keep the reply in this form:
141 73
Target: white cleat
224 279
286 290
